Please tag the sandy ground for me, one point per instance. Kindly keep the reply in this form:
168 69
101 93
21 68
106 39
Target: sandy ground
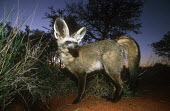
155 98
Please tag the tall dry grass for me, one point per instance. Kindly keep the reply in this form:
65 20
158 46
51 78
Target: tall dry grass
25 73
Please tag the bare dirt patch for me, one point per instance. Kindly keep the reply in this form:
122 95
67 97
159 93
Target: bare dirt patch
149 99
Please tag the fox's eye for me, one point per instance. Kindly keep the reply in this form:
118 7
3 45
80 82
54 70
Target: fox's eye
68 42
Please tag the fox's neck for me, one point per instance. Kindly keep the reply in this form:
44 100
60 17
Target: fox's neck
66 56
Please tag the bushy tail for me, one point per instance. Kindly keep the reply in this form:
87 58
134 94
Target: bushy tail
131 47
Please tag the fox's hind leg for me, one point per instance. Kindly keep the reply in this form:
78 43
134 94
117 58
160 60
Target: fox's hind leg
113 68
117 90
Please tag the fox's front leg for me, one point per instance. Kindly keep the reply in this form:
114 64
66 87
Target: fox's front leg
82 85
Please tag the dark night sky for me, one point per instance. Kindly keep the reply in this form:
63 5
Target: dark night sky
155 19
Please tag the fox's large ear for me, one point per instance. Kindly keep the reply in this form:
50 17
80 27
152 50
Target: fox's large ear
79 34
60 28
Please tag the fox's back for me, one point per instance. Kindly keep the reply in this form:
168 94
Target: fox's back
97 49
